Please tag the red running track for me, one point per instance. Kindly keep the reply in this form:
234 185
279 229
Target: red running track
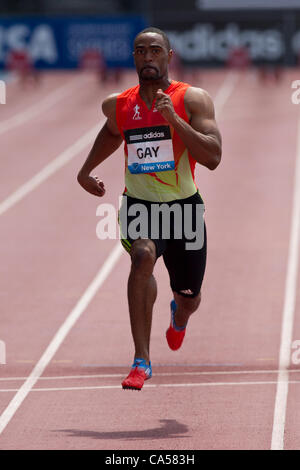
221 390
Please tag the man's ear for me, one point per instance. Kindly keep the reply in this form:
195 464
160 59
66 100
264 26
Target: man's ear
170 55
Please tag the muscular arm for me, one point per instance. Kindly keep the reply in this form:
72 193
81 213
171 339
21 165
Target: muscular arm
107 142
201 134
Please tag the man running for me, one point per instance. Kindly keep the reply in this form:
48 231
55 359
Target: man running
167 127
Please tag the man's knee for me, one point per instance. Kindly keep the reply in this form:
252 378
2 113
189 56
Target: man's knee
189 304
143 255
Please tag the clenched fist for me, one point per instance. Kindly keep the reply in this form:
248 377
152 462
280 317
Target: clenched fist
92 184
164 105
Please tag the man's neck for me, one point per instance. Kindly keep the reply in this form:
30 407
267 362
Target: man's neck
149 88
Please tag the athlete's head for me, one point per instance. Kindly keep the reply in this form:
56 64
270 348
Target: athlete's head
152 54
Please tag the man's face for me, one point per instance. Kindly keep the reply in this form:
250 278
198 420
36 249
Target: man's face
151 56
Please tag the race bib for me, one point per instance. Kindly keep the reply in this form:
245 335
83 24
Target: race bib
150 149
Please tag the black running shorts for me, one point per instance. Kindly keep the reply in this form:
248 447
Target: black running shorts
178 231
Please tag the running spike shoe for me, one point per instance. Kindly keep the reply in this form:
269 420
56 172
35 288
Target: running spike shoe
174 333
140 371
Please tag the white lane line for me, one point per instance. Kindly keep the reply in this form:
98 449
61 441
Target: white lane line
157 374
61 334
55 165
33 111
277 442
175 385
225 91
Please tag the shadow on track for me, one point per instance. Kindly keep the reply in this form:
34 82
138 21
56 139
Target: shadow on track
170 428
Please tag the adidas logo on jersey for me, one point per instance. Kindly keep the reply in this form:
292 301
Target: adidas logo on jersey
154 135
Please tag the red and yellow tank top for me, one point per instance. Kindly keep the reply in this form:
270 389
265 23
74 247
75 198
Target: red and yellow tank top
158 166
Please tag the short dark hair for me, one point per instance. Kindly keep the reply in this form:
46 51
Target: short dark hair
152 29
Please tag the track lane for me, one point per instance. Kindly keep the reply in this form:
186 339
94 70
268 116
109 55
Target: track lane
291 426
19 97
57 127
42 252
213 338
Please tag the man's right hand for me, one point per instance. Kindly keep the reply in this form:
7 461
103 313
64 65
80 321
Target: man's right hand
92 184
107 142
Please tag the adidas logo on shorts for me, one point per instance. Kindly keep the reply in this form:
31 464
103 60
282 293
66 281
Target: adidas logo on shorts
187 291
